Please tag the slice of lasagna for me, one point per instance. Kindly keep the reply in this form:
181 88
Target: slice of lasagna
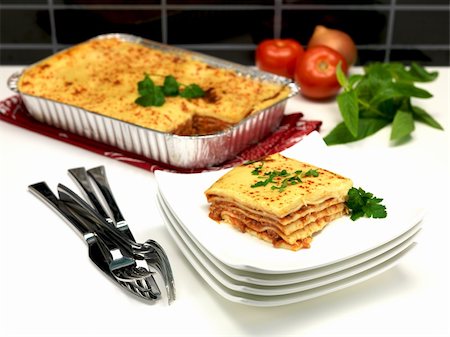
279 200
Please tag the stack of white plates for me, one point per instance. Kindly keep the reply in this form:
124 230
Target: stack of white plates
247 270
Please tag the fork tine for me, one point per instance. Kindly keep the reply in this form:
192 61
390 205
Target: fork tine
149 284
162 263
141 286
136 288
144 288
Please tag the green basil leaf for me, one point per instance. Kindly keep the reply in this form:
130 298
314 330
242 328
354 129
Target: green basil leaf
368 87
341 77
389 107
192 91
368 113
400 73
367 127
353 79
402 125
385 92
416 73
348 105
421 75
424 117
395 90
406 89
171 86
379 71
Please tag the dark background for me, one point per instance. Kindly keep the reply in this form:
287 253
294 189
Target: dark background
384 30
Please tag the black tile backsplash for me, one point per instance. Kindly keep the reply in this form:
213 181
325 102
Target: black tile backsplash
217 2
418 27
25 2
23 56
95 22
423 2
243 57
369 55
212 26
336 2
299 24
24 26
107 2
384 30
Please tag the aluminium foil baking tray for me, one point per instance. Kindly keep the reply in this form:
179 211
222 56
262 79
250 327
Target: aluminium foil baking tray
179 151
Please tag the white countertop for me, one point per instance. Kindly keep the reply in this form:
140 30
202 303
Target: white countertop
49 287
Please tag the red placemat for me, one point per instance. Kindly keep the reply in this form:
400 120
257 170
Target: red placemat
291 130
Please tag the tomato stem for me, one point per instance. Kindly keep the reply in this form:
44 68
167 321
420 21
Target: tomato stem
323 66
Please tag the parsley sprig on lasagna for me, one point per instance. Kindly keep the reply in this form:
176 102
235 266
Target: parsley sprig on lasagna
154 95
362 203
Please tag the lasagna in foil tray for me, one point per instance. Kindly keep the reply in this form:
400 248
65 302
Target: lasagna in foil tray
101 76
279 200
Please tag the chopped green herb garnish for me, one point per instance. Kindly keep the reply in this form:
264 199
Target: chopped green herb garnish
362 203
257 170
312 173
280 184
293 180
153 95
271 175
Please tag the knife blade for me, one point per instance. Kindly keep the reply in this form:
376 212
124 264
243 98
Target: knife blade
98 251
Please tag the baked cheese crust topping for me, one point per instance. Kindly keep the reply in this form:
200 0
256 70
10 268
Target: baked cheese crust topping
101 76
287 217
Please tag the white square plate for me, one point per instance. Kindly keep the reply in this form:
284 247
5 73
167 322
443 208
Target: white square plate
340 240
227 277
277 296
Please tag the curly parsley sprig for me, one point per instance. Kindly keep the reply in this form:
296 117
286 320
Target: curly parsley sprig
362 203
155 95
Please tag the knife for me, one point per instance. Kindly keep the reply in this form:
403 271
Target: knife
98 251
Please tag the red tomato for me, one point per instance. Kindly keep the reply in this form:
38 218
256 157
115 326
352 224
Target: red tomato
316 72
279 56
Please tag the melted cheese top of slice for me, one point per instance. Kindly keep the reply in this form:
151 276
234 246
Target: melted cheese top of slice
236 186
101 76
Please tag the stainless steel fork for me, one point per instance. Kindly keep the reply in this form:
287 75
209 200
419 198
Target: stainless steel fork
109 259
150 251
